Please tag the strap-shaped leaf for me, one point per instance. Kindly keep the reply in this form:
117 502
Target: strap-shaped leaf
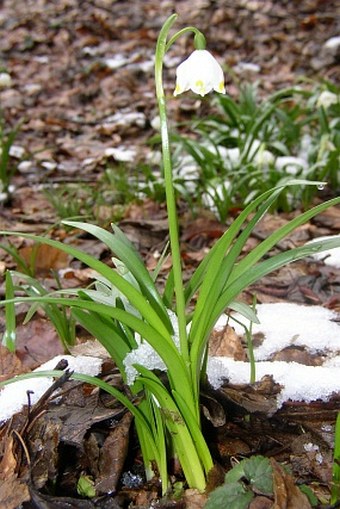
135 297
218 251
245 310
120 245
107 334
9 335
184 446
264 247
178 372
263 268
221 264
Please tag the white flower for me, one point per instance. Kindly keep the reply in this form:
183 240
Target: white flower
200 73
326 99
5 80
290 164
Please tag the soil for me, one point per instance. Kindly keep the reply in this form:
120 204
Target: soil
82 85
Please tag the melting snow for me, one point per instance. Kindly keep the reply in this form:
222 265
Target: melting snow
300 383
286 324
330 257
282 325
14 397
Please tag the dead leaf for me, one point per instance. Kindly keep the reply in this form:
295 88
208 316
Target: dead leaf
201 229
44 443
30 348
254 398
213 410
8 463
287 495
231 447
44 258
194 499
261 503
13 493
330 218
299 355
80 413
10 364
91 348
112 456
226 343
42 501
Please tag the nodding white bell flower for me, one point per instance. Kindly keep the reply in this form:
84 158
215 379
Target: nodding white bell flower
200 73
326 99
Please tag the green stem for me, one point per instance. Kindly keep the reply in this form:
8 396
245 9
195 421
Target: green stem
169 189
187 438
185 30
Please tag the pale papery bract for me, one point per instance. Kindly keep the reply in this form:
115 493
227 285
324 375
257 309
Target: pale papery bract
201 73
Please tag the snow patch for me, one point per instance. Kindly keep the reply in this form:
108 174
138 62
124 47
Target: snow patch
14 397
330 257
299 382
287 324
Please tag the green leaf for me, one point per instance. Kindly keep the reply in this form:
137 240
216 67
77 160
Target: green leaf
169 290
211 262
244 310
63 324
153 414
184 446
259 473
229 496
133 295
195 431
85 487
261 269
336 464
313 500
9 337
235 474
213 274
120 245
264 247
166 349
107 334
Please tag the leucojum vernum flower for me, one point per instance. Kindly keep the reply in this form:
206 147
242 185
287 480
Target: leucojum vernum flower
201 73
127 308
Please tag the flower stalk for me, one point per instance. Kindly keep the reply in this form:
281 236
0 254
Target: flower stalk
161 49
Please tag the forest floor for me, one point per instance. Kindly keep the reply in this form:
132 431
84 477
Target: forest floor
83 92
